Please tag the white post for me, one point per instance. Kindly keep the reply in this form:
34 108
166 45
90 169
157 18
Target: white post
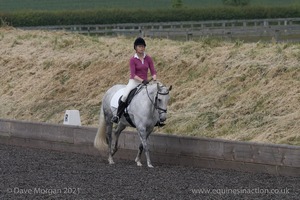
72 117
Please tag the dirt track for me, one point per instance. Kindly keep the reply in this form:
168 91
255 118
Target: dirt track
41 174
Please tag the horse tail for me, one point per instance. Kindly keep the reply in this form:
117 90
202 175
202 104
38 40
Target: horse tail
100 141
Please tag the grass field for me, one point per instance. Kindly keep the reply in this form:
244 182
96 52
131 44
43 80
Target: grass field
15 5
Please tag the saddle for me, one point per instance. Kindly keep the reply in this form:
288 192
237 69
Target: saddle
129 98
132 93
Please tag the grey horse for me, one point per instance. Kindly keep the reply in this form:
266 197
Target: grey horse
147 108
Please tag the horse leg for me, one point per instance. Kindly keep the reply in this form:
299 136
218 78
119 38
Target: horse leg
120 128
109 142
143 137
138 157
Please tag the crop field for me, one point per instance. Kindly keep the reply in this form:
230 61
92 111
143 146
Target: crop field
16 5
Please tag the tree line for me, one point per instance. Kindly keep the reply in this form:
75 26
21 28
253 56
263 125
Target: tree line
113 16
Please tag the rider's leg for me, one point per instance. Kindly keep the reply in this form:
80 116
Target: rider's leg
121 108
132 83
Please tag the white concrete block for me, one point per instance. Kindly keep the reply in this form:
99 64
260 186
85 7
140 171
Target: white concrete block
72 117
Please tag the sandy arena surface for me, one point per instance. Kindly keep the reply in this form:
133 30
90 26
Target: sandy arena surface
42 174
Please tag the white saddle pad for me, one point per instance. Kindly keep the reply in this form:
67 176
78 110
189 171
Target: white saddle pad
115 99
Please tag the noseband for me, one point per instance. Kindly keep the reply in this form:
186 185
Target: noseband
155 103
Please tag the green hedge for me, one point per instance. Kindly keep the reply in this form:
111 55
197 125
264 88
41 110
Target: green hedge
111 16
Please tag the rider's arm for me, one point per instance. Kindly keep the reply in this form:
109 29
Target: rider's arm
138 78
152 68
154 77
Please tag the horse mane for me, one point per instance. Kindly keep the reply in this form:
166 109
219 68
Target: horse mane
160 85
157 82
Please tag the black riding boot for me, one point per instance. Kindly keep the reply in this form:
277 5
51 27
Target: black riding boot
121 108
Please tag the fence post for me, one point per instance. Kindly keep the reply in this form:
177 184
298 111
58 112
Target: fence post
189 36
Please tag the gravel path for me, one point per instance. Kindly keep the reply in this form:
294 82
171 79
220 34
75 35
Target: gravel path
42 174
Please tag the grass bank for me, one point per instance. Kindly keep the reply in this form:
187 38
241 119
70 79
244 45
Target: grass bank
232 90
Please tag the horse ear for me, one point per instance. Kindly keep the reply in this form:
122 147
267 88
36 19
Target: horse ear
170 88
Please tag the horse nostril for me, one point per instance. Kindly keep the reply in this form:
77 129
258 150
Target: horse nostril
163 119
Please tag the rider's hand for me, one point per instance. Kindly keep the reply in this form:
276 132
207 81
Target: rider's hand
145 82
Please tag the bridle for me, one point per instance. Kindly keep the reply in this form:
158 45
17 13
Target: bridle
160 110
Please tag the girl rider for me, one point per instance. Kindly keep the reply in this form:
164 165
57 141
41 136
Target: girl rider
139 65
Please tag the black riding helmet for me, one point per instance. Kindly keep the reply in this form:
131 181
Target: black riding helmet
139 41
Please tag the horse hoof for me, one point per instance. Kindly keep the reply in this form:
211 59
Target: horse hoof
111 162
150 166
138 163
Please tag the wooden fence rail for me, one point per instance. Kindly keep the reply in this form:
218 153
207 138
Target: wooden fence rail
278 29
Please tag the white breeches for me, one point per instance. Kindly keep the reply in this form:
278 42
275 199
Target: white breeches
132 83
